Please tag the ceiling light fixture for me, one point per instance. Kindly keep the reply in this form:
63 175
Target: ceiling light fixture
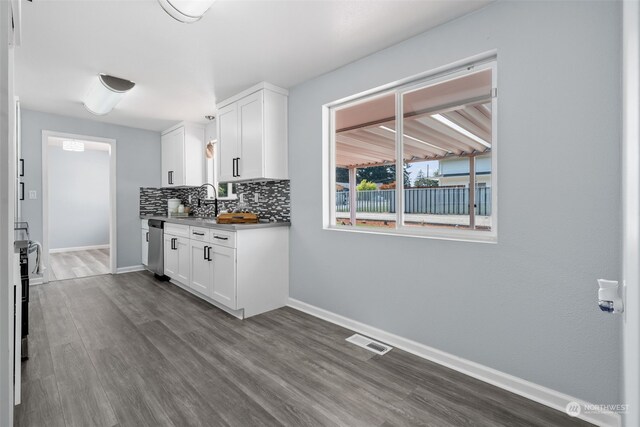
105 93
186 11
73 146
442 119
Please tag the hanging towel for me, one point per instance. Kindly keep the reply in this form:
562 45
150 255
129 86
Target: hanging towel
39 268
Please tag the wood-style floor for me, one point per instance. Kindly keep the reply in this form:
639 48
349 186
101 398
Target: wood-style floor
127 350
76 264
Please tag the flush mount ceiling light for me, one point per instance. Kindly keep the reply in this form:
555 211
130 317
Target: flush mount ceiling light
73 146
105 93
186 10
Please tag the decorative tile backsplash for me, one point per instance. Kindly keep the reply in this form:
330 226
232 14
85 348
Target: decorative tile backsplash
274 200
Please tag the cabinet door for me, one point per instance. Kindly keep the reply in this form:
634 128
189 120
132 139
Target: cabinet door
200 267
167 161
178 155
250 164
227 143
184 260
224 275
173 158
145 247
170 257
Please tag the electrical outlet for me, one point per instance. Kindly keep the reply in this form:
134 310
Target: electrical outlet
32 195
241 197
256 198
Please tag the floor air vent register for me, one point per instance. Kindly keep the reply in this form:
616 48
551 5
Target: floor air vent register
369 344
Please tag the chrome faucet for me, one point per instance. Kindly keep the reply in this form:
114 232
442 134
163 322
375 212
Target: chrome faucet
215 192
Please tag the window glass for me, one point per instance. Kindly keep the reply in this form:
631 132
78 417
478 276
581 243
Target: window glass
418 157
446 136
365 155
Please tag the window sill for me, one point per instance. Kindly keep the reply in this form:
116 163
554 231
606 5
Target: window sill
234 197
453 235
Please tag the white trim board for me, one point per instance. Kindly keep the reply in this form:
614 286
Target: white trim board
130 269
543 395
78 249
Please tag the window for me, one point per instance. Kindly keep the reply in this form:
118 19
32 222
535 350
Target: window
225 190
417 159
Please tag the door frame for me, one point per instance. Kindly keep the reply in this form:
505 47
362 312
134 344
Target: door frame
113 243
630 392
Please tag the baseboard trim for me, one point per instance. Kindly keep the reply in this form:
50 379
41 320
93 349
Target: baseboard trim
33 281
543 395
130 269
78 248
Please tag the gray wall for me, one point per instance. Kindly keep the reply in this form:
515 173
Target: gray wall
78 198
137 163
527 305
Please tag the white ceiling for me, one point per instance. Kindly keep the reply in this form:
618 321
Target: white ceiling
182 70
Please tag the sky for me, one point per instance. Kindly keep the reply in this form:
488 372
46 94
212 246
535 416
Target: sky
431 165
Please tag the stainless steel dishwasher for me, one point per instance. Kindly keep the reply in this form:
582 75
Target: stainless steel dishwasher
156 248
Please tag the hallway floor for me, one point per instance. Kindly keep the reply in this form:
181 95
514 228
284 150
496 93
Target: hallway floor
73 265
127 350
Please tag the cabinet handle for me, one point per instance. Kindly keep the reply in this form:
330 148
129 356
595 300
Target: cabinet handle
22 191
204 253
147 236
233 166
237 166
21 167
220 238
198 234
174 242
209 253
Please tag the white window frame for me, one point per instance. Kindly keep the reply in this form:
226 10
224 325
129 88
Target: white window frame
211 168
399 88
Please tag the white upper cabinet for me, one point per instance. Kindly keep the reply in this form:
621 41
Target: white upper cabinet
183 155
252 135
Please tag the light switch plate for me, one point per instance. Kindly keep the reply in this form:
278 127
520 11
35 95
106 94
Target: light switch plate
32 195
256 198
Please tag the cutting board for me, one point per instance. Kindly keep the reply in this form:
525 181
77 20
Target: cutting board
237 218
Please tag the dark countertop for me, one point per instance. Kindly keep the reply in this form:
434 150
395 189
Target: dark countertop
211 223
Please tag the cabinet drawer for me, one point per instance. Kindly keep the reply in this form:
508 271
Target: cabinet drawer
199 233
176 230
223 238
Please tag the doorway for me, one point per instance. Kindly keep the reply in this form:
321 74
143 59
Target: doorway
78 212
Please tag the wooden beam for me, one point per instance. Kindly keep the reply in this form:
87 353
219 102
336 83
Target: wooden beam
427 111
451 133
420 146
478 117
421 131
467 124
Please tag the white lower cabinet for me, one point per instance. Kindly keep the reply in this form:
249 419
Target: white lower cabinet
200 267
145 242
245 272
176 258
145 247
224 275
